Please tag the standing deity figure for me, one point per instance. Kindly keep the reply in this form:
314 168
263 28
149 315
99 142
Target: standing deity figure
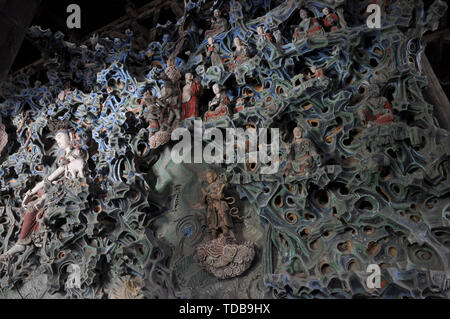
70 165
218 25
377 109
222 255
213 52
330 20
217 210
189 98
307 27
171 93
302 154
156 135
153 113
218 106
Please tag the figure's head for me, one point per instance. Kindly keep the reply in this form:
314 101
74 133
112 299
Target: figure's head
326 11
298 132
260 30
216 13
303 14
313 68
216 88
62 139
237 41
210 40
374 90
211 176
188 77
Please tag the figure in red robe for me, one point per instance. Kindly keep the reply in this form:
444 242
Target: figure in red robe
330 20
189 97
307 27
377 108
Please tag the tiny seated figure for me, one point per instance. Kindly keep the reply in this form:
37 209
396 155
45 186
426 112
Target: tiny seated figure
303 155
240 54
218 106
315 73
330 20
70 167
308 27
218 25
378 108
189 97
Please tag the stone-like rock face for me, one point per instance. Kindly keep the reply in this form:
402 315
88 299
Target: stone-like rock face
363 167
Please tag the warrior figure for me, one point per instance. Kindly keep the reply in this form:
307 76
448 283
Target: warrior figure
217 209
156 135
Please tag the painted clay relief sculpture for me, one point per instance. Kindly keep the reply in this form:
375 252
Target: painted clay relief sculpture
330 20
218 106
303 156
70 166
315 73
218 25
212 52
170 93
262 37
344 196
189 99
240 104
217 210
266 43
308 27
238 64
157 132
222 256
240 53
376 108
